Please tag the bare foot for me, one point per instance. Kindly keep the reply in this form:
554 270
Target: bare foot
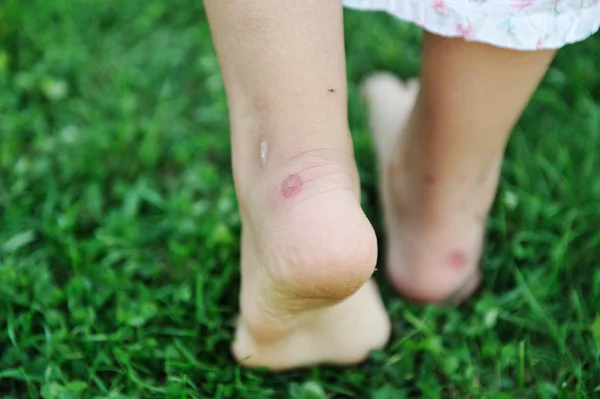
433 241
308 252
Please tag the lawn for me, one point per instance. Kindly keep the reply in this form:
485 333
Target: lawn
119 228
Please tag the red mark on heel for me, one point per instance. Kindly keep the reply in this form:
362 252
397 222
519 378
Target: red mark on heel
291 186
458 260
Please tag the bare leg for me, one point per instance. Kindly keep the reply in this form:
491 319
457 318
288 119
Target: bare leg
440 179
307 247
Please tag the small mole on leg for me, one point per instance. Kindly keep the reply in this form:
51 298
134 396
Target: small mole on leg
429 179
458 260
291 186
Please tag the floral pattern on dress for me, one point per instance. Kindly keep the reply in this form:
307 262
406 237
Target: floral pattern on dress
512 24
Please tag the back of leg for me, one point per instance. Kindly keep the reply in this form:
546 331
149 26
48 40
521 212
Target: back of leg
446 166
308 250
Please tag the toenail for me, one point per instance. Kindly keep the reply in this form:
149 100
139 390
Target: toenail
291 186
458 259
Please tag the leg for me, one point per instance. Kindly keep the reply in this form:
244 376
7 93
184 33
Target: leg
307 248
440 179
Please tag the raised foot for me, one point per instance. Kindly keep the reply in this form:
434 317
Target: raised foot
433 247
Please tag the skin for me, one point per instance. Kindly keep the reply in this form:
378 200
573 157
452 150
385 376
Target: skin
279 59
308 250
440 176
291 185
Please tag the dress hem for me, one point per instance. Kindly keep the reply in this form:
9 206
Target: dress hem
524 31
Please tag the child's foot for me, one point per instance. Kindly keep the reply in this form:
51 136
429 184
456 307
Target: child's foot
308 252
434 221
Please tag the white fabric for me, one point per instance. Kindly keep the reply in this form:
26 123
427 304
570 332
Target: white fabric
512 24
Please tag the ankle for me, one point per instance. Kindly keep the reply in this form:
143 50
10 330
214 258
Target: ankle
285 182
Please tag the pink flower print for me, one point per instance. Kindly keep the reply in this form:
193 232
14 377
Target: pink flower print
480 3
540 42
523 4
464 31
440 7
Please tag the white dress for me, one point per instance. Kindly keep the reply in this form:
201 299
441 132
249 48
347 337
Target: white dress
512 24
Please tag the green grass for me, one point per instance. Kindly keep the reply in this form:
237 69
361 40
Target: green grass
118 222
